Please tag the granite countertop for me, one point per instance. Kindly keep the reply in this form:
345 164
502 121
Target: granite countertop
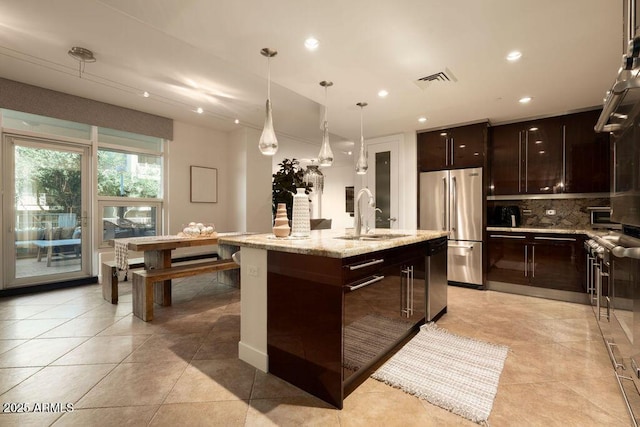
326 242
588 232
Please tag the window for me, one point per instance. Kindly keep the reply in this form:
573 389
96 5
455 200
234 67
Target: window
130 171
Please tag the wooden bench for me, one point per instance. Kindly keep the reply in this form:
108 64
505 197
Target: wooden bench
110 278
144 280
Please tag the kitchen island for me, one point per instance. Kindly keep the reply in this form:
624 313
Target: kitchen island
324 311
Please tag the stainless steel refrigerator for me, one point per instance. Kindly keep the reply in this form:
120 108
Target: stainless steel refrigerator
451 200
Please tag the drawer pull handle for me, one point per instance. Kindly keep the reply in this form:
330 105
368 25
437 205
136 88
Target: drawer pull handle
366 264
562 239
506 236
616 365
367 283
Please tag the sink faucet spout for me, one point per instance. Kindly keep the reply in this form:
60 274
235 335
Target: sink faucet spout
357 211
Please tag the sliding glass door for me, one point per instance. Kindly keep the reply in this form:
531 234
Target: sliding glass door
46 229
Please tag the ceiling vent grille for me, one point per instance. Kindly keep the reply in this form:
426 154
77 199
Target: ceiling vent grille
442 76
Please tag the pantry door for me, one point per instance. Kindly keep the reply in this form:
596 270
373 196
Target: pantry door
382 178
45 211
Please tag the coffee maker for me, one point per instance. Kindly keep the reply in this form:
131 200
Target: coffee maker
504 216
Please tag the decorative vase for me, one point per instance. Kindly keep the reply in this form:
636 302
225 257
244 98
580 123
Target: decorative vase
281 224
301 226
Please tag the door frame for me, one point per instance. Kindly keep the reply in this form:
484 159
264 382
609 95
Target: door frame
376 145
8 209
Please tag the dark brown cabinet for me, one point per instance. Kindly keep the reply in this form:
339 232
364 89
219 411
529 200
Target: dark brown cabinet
553 261
526 158
330 320
587 155
455 148
549 156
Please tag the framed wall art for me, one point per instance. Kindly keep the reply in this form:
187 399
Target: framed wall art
204 185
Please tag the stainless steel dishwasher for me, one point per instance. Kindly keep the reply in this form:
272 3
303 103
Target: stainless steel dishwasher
436 278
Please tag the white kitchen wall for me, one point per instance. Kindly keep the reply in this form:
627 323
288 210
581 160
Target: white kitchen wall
197 146
336 178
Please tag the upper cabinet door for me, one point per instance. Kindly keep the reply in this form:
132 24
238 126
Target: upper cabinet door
467 146
543 157
433 151
505 160
587 155
456 148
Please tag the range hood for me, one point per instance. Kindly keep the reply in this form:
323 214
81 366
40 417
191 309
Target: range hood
624 95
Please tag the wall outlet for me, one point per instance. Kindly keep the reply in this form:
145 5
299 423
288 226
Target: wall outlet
252 270
551 212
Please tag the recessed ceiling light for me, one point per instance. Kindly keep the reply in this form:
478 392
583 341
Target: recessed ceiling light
383 93
199 110
525 100
541 151
443 134
514 56
463 146
422 119
533 129
349 152
538 142
145 94
311 43
236 121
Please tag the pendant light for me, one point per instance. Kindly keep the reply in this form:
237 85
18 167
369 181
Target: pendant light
325 157
268 143
362 165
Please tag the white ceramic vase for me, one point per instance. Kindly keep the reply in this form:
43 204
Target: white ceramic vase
300 224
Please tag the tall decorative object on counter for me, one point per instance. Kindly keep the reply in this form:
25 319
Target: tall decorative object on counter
325 157
268 143
315 178
281 225
362 164
300 223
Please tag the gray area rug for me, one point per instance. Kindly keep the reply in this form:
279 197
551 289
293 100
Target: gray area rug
370 336
457 373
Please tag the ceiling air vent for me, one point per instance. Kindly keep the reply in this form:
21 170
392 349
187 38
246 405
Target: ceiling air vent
442 76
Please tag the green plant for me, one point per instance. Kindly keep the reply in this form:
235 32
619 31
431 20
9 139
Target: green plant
285 182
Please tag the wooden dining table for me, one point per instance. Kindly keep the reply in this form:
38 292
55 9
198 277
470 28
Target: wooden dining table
157 254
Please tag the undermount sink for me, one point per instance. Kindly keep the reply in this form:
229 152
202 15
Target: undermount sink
373 237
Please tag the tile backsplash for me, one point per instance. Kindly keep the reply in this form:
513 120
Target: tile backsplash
569 213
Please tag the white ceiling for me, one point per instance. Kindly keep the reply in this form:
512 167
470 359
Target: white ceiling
204 53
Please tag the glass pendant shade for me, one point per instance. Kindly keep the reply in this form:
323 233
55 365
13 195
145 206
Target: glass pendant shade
325 157
268 143
362 164
315 178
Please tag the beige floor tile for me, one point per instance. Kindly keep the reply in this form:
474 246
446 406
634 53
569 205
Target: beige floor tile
602 392
214 380
214 348
28 419
206 414
6 345
267 386
65 311
131 325
38 352
80 327
57 384
10 377
107 349
547 404
167 348
292 411
29 328
109 310
107 417
134 384
393 408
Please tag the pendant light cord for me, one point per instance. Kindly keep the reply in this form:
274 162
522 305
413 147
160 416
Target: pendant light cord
269 78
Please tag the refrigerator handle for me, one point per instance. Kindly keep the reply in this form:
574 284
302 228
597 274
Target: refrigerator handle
444 211
454 209
452 153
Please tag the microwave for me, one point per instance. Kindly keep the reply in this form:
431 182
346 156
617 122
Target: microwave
600 218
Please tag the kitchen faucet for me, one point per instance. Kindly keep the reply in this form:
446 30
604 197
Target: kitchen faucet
357 214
